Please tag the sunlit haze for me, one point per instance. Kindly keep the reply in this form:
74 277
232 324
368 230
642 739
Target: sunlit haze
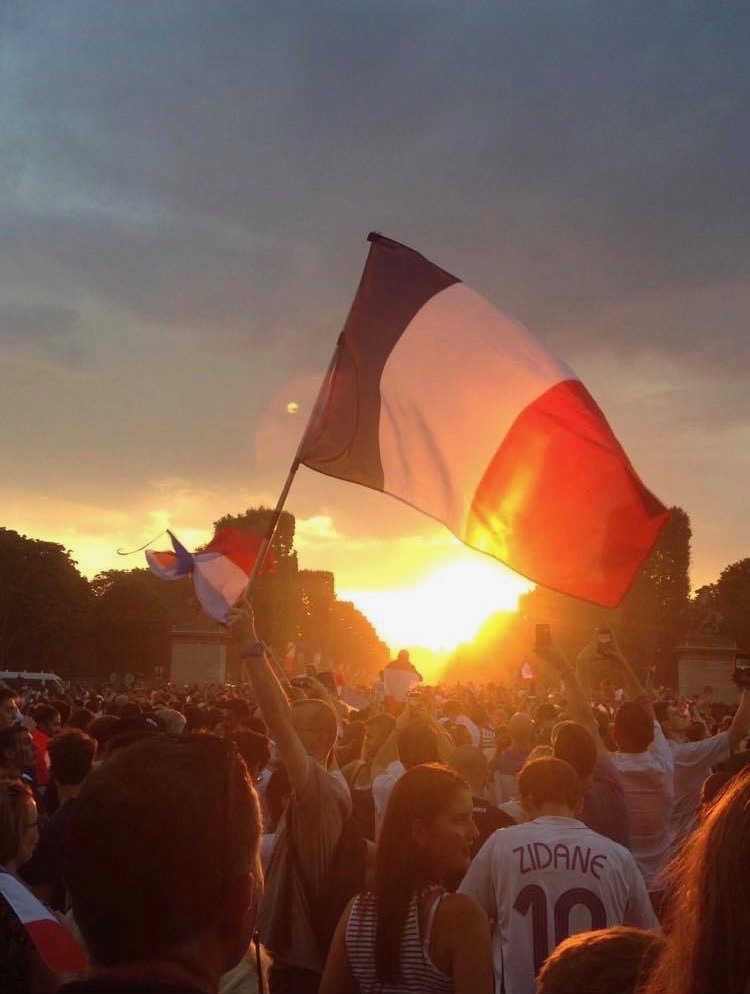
445 609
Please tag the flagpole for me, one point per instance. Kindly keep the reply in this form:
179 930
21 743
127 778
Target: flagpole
271 530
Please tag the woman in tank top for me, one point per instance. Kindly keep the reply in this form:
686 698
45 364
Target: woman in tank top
409 935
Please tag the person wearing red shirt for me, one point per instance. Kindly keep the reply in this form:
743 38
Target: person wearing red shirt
48 725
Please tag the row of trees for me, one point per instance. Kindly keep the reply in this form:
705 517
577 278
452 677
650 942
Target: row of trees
656 615
52 618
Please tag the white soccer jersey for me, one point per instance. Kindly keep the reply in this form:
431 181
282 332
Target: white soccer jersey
545 880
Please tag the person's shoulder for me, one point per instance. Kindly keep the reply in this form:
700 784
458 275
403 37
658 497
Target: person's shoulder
461 912
607 845
324 783
504 839
334 783
491 815
605 766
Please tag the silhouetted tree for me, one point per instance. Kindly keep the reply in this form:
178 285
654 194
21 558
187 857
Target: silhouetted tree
133 620
46 617
732 599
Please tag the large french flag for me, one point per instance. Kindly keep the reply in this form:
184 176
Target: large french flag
56 946
220 571
440 400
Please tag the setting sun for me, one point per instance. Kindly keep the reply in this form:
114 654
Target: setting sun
447 608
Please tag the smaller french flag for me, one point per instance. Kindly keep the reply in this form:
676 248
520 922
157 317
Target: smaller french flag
56 946
220 571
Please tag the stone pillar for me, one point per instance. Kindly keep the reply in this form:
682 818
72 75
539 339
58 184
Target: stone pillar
707 660
197 656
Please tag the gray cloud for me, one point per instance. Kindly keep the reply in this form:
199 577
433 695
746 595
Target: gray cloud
593 153
43 328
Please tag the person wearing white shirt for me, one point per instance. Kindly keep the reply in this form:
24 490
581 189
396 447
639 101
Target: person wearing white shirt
646 766
551 877
693 760
415 739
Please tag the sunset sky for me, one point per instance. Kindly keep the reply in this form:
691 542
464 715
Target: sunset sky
186 190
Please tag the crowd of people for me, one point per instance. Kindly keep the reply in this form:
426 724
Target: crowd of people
559 835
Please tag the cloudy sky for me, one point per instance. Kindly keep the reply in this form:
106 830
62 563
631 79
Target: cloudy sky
186 189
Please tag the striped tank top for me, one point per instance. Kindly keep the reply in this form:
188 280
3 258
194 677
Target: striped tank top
420 975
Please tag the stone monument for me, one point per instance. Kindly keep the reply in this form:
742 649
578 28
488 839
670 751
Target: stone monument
705 658
198 654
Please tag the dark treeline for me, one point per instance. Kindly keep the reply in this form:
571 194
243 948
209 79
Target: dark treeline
52 618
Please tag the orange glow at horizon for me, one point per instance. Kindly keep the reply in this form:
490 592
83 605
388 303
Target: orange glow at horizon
444 610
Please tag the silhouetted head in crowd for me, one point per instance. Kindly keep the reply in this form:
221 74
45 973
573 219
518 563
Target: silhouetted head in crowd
316 724
129 711
236 714
170 720
418 743
196 719
8 707
255 749
634 729
545 718
607 961
352 743
47 719
127 732
549 786
377 730
80 718
17 751
522 731
471 765
572 743
71 756
103 728
63 708
673 721
162 857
